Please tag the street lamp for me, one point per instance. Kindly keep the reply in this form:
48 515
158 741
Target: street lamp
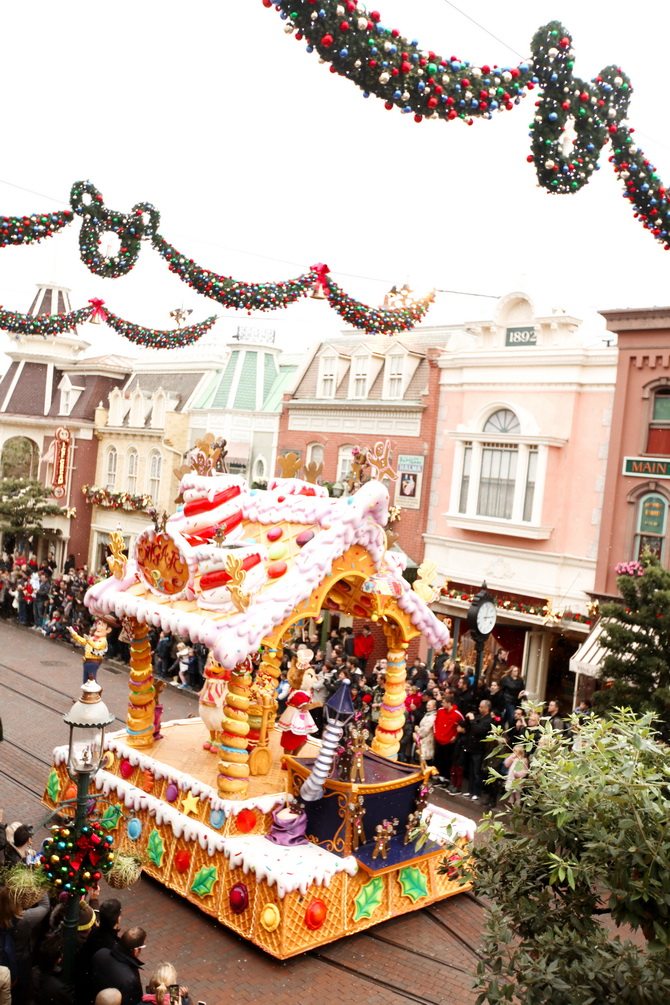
338 710
88 718
481 618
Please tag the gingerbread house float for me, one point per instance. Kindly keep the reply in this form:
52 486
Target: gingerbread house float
283 848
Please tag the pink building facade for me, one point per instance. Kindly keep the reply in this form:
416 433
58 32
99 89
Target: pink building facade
637 496
518 481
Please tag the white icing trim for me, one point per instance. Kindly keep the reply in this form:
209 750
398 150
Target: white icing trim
289 869
352 520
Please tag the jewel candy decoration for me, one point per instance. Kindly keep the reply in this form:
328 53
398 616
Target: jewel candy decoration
316 914
73 861
238 898
245 821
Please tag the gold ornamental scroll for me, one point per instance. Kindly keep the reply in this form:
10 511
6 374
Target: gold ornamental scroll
142 695
392 714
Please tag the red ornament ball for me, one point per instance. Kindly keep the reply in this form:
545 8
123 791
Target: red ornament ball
246 821
316 914
238 898
327 41
182 860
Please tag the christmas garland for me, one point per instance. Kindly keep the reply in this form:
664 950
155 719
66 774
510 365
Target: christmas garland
56 324
75 861
538 609
371 319
381 62
117 500
30 229
230 292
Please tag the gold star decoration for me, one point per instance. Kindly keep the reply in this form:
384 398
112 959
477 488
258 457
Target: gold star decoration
190 804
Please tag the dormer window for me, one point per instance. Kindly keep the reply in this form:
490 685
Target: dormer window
328 376
68 395
360 371
396 373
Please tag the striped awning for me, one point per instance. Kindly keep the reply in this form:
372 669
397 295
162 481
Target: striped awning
591 654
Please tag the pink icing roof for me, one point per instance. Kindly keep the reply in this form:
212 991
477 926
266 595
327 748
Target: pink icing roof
338 524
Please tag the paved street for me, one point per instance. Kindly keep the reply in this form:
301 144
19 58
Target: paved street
422 957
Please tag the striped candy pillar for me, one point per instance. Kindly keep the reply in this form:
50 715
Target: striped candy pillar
392 714
142 695
233 777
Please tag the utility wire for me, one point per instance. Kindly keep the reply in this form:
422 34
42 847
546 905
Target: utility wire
469 18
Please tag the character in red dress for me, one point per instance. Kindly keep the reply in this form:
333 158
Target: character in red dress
295 721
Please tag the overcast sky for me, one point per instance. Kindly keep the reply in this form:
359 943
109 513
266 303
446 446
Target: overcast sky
262 162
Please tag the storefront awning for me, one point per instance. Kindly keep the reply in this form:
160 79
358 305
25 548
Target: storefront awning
591 654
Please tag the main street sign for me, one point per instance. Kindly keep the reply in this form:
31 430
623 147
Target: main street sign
647 467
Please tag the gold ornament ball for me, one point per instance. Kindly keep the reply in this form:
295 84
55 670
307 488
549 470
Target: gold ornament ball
58 882
66 832
87 875
111 856
55 858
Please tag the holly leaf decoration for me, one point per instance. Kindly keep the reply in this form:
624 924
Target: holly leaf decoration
155 848
413 883
53 786
369 898
205 880
110 817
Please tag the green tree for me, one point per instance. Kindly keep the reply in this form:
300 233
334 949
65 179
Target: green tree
24 504
586 849
637 639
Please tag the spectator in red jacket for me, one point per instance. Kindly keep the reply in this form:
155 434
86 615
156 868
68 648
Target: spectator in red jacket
363 646
446 723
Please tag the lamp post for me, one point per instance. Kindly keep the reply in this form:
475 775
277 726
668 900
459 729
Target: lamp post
88 718
338 710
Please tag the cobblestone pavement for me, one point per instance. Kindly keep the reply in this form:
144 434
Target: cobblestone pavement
425 957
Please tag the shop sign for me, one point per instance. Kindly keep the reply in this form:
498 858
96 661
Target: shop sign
62 442
526 335
652 516
408 484
646 467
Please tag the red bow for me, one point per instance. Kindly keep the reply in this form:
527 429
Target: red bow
321 277
98 309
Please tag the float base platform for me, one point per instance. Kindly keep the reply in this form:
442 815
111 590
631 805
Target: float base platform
164 807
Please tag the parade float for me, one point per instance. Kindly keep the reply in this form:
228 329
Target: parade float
288 840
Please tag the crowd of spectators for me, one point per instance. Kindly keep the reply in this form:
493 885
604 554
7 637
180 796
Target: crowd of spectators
109 965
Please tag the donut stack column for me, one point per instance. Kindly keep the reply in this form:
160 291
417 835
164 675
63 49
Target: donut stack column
264 685
233 777
392 713
142 695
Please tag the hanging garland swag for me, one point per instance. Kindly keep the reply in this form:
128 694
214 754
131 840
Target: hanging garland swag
574 119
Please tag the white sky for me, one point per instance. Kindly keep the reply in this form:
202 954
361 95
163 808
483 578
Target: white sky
262 162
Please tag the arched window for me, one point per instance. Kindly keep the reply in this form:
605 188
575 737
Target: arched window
110 476
652 518
155 466
259 469
658 441
131 471
344 461
20 458
315 453
499 475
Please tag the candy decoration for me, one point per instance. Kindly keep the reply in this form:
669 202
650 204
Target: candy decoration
277 550
53 786
171 792
134 828
413 883
270 917
369 898
245 821
155 848
182 860
316 914
110 818
204 881
276 569
274 533
304 537
217 819
238 898
392 713
126 769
